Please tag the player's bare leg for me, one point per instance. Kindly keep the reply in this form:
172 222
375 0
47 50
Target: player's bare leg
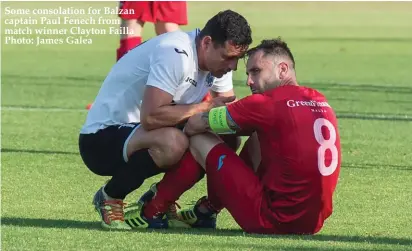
201 144
204 213
164 27
149 151
166 145
231 184
146 153
161 198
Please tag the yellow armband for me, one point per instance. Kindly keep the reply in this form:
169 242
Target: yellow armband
218 122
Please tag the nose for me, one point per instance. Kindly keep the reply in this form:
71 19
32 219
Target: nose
249 81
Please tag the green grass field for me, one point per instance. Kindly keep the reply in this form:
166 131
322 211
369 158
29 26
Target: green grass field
358 54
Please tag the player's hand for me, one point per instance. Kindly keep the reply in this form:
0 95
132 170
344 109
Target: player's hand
195 125
221 101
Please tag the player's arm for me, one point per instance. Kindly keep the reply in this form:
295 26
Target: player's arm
158 110
247 114
167 70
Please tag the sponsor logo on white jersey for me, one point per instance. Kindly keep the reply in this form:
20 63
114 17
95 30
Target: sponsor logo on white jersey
192 81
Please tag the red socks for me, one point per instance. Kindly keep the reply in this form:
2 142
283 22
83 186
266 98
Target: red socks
180 179
126 44
174 183
212 168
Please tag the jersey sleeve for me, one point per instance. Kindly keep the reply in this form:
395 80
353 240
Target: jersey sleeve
223 84
168 66
252 112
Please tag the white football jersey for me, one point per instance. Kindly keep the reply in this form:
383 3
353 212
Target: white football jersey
168 62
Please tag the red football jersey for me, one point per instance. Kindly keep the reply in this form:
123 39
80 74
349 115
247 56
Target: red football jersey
301 155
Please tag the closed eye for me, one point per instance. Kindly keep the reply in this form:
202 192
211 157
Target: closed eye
253 71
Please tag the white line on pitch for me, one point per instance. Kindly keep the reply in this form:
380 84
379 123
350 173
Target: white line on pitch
399 117
41 109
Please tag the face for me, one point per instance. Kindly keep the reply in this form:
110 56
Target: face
219 60
261 72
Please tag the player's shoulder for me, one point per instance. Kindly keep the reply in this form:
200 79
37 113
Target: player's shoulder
290 91
308 91
182 42
176 49
184 36
258 99
176 37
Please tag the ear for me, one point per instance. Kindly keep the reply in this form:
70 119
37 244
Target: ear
206 42
283 69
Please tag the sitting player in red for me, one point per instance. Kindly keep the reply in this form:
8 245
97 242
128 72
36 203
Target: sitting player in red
284 179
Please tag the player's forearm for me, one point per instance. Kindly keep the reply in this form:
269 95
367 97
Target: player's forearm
171 115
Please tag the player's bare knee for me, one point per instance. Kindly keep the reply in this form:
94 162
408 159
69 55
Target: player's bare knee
205 141
201 144
172 144
176 145
198 156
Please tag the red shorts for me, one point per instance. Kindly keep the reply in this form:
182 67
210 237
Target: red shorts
237 188
155 11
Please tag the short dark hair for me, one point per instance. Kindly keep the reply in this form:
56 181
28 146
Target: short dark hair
275 47
228 26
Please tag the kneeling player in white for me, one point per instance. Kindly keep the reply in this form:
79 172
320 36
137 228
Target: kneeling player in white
130 133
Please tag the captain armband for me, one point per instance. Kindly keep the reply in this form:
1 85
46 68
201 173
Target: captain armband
218 121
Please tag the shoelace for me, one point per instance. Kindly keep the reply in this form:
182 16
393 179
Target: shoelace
208 205
116 211
172 211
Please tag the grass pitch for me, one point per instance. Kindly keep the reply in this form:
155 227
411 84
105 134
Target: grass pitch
357 53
